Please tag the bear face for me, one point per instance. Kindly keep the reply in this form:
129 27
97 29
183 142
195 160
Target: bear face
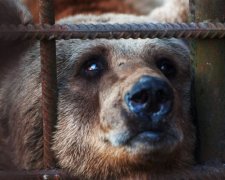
123 107
115 135
96 126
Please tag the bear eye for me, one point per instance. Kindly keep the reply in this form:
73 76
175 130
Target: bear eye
93 68
166 67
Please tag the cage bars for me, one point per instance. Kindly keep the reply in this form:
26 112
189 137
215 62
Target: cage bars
209 65
200 30
49 83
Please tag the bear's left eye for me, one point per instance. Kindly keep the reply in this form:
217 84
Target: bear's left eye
93 68
166 67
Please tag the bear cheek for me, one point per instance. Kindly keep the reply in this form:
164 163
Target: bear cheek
78 114
111 116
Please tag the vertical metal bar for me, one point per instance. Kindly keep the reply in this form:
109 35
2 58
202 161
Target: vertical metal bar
210 82
49 83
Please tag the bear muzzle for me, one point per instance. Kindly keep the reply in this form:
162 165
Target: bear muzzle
145 119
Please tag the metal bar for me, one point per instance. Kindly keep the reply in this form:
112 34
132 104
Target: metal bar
210 83
203 172
49 83
116 31
35 174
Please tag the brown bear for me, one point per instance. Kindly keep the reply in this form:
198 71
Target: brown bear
123 105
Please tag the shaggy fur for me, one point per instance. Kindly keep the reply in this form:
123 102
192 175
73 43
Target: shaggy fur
172 11
93 135
64 8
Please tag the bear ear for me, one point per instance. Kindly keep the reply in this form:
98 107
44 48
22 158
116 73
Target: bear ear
13 12
172 11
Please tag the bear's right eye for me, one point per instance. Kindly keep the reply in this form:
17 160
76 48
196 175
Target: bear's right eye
93 68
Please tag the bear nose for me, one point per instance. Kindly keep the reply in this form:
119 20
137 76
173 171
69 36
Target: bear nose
150 97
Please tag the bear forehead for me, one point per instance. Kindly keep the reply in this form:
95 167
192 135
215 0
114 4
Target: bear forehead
74 49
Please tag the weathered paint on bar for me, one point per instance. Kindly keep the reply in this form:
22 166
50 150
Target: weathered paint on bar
209 65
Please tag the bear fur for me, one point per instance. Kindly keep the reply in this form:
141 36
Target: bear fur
172 11
64 8
96 135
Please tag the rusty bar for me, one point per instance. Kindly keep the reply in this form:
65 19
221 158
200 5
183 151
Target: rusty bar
49 83
209 65
116 31
203 172
35 175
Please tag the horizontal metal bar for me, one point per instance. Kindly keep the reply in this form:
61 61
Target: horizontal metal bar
114 31
209 171
35 174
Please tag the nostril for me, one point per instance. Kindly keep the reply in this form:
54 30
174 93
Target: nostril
140 97
161 96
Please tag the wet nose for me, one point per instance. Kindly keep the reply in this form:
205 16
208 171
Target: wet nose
150 97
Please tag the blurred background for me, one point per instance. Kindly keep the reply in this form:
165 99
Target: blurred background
144 6
65 8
